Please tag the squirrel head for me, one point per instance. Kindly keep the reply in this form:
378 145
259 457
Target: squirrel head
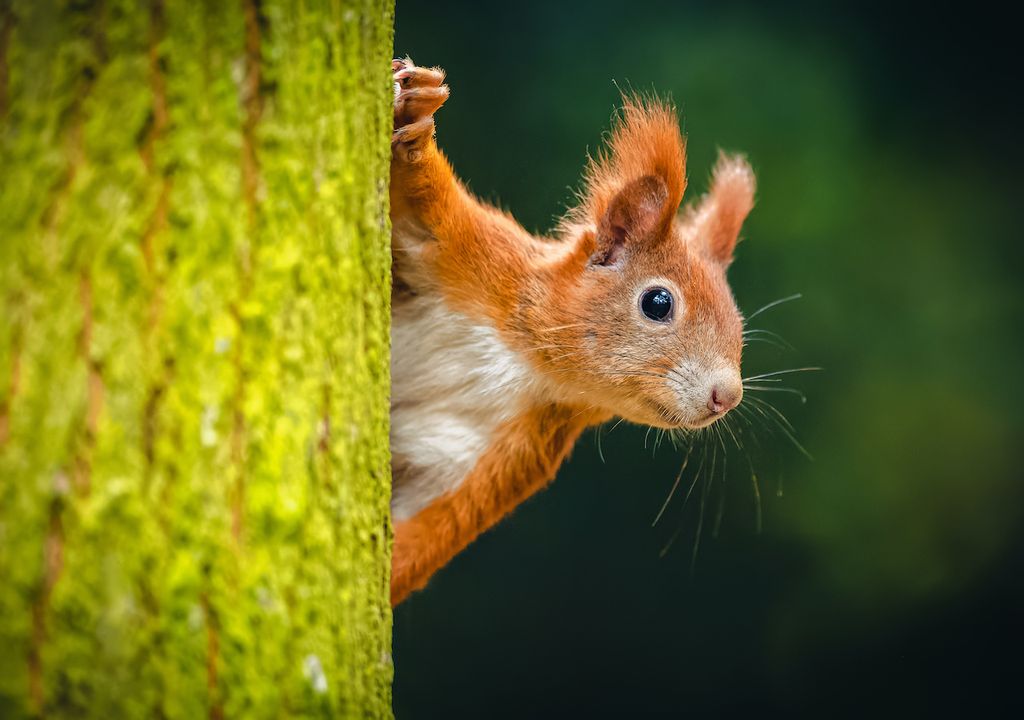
640 320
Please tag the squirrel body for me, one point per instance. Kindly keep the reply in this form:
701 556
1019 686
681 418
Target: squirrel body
506 346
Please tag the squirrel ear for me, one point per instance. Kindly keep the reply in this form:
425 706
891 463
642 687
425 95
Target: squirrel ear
719 215
636 212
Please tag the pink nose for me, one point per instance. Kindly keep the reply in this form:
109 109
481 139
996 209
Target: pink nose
724 398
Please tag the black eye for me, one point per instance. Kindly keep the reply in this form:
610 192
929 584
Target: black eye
657 304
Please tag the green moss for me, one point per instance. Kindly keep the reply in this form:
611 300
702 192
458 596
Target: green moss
198 426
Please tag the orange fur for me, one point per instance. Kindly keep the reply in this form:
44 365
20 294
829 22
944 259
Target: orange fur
567 306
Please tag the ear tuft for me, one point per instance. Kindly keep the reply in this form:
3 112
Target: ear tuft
718 217
645 142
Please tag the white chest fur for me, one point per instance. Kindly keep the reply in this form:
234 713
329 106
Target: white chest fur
453 382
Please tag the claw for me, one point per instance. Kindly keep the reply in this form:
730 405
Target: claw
410 77
419 102
419 92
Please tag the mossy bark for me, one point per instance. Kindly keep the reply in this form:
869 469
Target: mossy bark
194 286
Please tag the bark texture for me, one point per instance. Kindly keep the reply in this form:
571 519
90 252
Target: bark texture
194 286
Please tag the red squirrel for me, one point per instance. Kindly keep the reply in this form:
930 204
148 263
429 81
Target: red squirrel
506 346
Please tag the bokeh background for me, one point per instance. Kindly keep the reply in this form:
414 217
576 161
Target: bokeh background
888 575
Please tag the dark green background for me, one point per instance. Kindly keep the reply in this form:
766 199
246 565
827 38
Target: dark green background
889 576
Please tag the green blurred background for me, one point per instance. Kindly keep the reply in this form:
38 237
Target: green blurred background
888 575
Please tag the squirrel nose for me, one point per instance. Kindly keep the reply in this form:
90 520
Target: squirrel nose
724 397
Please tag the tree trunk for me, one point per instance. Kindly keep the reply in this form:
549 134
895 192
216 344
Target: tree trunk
194 286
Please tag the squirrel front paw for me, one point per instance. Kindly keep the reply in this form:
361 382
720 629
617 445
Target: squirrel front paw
419 92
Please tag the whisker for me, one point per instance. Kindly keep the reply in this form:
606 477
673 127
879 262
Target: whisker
770 337
785 426
757 497
767 341
700 468
675 485
721 498
791 391
673 437
761 402
740 413
587 408
773 303
781 372
700 517
563 327
658 438
728 428
689 491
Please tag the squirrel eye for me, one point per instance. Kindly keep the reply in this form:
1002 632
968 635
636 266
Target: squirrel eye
656 304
